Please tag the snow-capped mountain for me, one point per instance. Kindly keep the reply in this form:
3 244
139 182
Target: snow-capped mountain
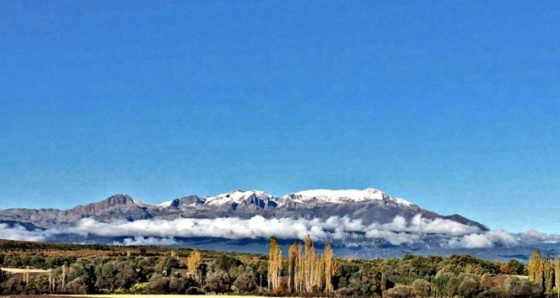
344 196
258 199
368 205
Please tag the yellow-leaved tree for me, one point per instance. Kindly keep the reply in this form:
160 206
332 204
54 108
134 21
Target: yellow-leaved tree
274 264
193 261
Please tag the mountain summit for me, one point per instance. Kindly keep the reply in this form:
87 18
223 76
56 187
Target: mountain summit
367 205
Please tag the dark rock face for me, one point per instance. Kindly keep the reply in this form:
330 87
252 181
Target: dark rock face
381 209
118 206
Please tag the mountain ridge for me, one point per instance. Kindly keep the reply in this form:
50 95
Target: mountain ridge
369 205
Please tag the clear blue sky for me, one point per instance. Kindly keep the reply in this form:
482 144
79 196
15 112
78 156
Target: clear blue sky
454 105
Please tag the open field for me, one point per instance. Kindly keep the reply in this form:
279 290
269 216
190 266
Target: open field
19 270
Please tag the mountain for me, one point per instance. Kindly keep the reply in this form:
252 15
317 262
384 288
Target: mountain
368 205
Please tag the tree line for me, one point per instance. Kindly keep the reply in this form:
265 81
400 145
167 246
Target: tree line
300 271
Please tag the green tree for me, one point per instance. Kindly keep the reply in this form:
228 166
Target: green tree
165 265
516 267
177 285
2 280
218 282
399 291
245 283
469 287
158 284
421 288
107 276
439 282
452 287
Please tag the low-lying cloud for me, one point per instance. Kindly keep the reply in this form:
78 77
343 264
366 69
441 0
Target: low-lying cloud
342 229
484 240
146 241
398 232
20 233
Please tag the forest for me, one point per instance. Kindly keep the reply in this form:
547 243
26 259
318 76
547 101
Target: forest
301 271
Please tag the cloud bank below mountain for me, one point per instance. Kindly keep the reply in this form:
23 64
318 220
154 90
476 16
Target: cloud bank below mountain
338 229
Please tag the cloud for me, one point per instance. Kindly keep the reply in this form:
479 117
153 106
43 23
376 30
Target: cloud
18 232
484 240
397 232
420 225
146 241
533 236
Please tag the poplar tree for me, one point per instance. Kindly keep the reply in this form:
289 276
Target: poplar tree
274 264
293 259
330 268
557 275
317 277
536 268
193 261
548 267
300 270
308 262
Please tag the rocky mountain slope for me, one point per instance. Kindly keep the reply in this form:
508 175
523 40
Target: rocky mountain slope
368 205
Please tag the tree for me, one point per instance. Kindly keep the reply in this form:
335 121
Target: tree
2 279
226 263
513 286
308 262
536 268
218 282
177 285
13 285
439 282
158 284
245 283
193 262
548 273
522 287
468 287
452 287
293 259
165 265
274 264
78 285
107 276
421 288
330 268
399 291
557 275
515 267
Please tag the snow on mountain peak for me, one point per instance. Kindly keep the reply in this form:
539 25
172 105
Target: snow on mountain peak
319 195
165 204
345 195
236 196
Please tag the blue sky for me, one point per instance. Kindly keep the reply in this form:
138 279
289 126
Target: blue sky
451 105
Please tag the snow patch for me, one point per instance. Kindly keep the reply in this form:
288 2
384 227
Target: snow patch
165 204
343 196
236 196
